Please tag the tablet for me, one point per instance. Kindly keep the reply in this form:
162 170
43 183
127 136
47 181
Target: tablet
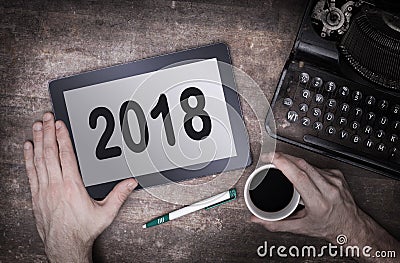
162 119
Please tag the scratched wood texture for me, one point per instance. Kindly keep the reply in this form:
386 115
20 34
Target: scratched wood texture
44 40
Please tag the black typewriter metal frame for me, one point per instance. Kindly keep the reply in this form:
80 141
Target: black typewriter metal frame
312 51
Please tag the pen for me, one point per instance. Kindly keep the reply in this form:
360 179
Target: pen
208 203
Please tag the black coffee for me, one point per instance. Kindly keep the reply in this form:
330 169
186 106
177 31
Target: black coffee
274 192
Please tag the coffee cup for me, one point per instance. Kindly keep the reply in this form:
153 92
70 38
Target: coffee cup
269 195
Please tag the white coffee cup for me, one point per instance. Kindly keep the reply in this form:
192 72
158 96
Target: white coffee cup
255 178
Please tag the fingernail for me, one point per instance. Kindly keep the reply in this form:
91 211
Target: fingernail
37 126
47 116
131 186
58 125
27 145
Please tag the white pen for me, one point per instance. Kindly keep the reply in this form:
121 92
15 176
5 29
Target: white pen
208 203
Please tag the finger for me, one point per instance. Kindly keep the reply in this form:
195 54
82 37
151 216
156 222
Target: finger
335 172
267 157
286 225
51 149
317 175
68 161
113 202
303 164
321 177
336 178
299 214
38 154
30 168
298 177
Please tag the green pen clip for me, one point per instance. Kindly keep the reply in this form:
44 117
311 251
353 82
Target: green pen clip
232 196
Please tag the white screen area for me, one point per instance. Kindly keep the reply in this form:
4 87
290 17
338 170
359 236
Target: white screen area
145 90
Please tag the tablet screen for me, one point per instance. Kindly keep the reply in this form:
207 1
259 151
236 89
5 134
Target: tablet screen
148 123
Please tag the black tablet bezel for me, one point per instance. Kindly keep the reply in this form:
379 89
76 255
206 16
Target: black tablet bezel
219 51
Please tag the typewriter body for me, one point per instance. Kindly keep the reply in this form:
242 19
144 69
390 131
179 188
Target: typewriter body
339 92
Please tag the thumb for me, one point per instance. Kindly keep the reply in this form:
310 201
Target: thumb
287 225
118 195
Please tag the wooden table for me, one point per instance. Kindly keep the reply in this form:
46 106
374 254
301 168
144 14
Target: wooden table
44 40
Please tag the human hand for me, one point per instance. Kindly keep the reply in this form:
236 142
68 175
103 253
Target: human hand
330 209
67 219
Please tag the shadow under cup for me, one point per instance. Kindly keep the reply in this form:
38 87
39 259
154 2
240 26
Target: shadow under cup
269 195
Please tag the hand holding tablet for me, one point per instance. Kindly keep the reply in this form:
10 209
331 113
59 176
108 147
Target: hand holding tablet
163 119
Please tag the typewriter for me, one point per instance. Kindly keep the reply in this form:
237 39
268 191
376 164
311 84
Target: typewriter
339 92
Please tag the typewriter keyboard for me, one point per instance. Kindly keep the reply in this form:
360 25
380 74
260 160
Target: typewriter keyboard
323 112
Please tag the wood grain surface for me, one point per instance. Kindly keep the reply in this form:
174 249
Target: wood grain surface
45 40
